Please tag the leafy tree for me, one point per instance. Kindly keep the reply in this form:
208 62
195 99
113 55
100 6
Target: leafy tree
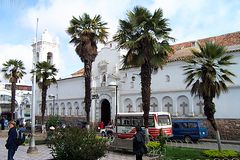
145 36
207 73
13 70
45 73
85 32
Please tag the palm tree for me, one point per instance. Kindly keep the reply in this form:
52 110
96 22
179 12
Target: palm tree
45 73
85 33
207 74
146 37
13 70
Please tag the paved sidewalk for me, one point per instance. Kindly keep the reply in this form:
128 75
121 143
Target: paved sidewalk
44 153
21 154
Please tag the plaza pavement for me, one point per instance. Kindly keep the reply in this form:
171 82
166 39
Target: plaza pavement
44 153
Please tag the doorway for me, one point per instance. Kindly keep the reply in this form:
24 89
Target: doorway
105 112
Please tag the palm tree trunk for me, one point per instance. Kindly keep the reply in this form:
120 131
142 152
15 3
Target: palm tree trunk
13 90
44 95
88 99
209 110
146 93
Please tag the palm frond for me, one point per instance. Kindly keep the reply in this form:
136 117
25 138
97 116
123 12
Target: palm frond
206 68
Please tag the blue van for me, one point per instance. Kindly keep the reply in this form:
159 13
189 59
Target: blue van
189 130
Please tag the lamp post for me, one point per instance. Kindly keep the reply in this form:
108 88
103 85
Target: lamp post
52 97
32 147
116 90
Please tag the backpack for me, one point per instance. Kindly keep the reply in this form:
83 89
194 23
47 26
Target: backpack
20 137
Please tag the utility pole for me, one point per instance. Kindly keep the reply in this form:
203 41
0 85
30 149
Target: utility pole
32 147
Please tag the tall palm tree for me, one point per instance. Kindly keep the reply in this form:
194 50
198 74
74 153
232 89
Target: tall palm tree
207 73
85 32
13 70
146 37
45 73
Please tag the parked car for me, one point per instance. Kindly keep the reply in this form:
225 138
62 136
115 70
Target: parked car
189 130
77 124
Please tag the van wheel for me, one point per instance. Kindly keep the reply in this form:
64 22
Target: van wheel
187 139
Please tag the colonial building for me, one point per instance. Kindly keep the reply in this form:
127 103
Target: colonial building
116 89
23 100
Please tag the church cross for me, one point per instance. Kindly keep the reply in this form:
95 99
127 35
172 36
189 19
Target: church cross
77 108
200 104
129 106
63 110
52 110
70 111
168 105
141 107
154 105
184 105
57 110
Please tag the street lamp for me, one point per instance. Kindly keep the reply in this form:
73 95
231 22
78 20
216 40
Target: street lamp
52 97
116 89
32 147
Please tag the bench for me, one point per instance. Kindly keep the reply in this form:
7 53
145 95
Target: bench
125 145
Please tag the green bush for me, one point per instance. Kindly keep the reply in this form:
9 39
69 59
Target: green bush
75 144
162 140
154 148
53 121
223 154
153 145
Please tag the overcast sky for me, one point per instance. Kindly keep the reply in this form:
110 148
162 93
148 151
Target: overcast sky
189 20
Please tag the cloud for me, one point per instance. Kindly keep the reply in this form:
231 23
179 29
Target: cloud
189 20
56 14
19 52
192 20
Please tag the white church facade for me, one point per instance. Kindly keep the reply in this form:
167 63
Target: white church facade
168 90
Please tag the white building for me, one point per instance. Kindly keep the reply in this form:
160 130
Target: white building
23 100
169 91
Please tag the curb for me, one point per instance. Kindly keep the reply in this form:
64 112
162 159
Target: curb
222 141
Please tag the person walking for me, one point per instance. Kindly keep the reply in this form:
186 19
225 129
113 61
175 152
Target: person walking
2 121
11 144
139 147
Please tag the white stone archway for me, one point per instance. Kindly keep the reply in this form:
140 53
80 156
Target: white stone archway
63 109
128 105
139 107
167 104
153 104
183 106
198 106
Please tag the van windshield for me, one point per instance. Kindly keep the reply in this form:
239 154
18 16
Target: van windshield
201 125
163 120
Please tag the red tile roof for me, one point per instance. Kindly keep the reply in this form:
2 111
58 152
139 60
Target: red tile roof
183 50
78 73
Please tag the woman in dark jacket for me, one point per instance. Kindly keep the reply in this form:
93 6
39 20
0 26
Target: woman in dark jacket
139 147
11 141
